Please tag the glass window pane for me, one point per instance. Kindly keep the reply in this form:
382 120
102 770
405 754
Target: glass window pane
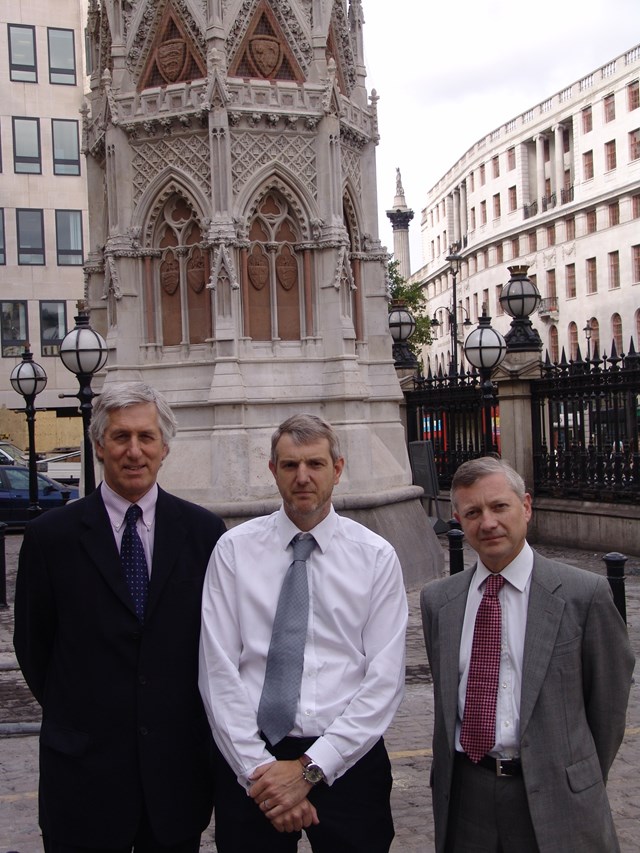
53 326
3 256
69 237
22 54
66 147
30 236
62 60
26 146
14 328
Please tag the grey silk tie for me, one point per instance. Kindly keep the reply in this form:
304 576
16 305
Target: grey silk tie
281 688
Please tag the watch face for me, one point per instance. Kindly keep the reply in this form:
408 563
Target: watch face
312 774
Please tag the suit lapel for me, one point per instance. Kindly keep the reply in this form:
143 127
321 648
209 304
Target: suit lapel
169 537
450 620
99 543
543 621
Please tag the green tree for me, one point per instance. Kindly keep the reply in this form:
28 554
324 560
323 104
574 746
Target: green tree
415 301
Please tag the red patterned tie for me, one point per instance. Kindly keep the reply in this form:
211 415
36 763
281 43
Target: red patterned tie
478 733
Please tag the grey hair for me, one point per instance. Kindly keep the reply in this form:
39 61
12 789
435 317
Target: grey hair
469 472
303 429
120 396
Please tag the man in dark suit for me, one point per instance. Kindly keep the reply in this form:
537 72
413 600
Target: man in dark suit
125 747
562 670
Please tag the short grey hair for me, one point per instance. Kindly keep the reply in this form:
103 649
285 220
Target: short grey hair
120 395
304 429
475 469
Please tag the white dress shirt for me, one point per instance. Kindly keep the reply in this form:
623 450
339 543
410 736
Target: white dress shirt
354 661
117 507
514 601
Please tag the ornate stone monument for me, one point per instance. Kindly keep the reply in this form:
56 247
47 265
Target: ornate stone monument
235 263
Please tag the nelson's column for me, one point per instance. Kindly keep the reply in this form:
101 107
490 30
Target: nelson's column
235 263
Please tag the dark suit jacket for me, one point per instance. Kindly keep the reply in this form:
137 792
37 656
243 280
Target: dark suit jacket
576 678
122 718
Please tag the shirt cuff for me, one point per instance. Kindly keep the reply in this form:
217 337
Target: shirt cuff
325 756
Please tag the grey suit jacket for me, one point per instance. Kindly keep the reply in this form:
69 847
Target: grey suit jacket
576 677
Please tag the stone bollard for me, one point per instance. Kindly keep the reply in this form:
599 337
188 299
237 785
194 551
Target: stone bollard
615 575
456 554
3 567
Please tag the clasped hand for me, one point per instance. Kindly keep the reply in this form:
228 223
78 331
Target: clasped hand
280 792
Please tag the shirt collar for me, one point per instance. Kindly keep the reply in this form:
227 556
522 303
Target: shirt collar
117 506
518 572
322 532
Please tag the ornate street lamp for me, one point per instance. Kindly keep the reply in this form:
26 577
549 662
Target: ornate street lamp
402 325
456 261
520 298
84 352
29 379
588 330
485 348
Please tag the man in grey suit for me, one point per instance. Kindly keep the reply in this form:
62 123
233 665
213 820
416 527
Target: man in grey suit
560 697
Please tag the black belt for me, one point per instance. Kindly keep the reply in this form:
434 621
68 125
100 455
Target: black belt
499 766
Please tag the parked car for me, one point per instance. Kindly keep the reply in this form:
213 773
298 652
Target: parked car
14 494
12 455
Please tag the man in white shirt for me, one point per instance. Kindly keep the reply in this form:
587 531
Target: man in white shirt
534 779
330 774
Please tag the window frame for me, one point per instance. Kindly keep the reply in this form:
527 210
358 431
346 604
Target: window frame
59 162
609 108
63 73
634 145
613 264
50 345
14 347
633 95
587 165
587 120
24 159
570 281
610 155
30 250
70 251
17 68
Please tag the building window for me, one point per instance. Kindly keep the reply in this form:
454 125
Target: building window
614 270
53 326
592 222
635 261
616 331
485 301
511 159
515 247
614 214
635 206
499 308
499 253
472 182
513 199
3 255
587 165
496 166
570 228
553 345
496 206
15 329
573 341
551 284
533 242
30 232
551 235
570 281
592 276
610 155
566 141
69 237
62 57
483 213
26 146
633 95
66 147
23 67
483 176
546 149
587 120
609 108
634 145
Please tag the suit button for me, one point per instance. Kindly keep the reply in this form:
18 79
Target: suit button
143 730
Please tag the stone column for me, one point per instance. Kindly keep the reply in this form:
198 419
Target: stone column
540 140
559 160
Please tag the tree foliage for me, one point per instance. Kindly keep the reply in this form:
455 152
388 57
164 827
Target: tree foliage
415 302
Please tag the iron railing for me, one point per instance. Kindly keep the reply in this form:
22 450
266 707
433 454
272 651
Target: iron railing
586 420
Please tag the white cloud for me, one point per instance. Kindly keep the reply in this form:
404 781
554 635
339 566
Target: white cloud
447 75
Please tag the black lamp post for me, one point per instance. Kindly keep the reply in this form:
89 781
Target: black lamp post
83 351
520 298
455 260
587 333
402 325
485 348
29 379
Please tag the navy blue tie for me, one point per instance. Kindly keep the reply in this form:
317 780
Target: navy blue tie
134 562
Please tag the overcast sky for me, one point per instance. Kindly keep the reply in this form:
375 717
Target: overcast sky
447 74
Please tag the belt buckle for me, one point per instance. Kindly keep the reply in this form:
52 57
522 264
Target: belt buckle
499 768
503 771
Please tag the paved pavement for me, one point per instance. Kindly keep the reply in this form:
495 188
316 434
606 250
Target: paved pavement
408 738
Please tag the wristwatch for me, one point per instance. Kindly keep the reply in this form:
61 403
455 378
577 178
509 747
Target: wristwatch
311 772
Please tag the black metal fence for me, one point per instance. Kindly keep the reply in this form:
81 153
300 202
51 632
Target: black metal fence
450 412
586 418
